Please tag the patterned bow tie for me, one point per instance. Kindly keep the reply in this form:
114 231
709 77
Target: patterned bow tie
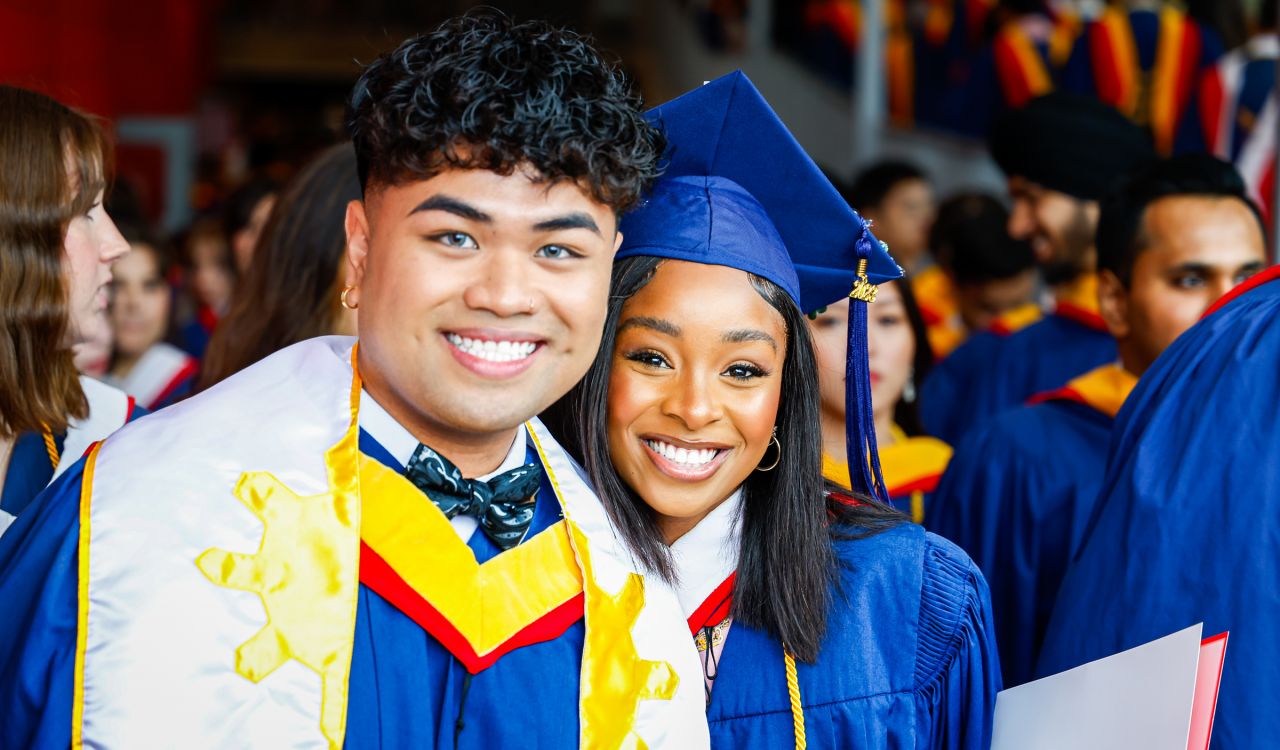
503 505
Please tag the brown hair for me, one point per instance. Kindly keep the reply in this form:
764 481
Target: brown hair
290 291
53 163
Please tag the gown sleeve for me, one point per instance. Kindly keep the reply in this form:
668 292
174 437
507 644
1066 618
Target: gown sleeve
987 503
957 668
38 587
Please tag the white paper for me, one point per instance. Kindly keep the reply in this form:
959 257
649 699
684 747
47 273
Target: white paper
1140 698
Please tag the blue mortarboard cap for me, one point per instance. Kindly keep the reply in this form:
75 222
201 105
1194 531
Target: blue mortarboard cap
739 191
755 175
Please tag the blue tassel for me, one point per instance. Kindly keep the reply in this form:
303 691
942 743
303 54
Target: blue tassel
860 422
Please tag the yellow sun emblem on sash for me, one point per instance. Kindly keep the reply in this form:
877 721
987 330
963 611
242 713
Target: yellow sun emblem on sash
305 573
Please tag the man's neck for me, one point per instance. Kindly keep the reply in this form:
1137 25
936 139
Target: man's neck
475 454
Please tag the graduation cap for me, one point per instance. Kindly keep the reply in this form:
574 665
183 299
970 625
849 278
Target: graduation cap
739 191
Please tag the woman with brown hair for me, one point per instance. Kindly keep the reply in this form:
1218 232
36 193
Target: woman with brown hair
290 292
57 245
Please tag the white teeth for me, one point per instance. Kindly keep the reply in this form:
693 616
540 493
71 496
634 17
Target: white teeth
685 456
493 351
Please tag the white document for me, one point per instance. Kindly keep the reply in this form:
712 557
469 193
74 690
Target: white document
1140 698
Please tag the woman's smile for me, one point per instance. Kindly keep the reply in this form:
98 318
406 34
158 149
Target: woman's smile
685 461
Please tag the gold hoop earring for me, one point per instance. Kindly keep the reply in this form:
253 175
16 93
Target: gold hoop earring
774 442
343 298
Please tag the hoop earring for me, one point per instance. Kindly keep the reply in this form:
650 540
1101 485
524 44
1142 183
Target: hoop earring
343 298
777 460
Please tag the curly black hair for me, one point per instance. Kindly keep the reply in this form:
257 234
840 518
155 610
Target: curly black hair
482 92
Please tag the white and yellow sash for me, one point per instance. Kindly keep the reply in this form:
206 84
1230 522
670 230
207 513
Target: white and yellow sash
219 550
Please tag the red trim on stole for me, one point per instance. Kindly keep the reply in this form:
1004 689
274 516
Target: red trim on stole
715 608
186 371
927 483
1087 318
1212 99
128 413
383 580
1253 282
1106 68
1065 393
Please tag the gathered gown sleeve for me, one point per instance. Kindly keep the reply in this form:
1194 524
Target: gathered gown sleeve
957 666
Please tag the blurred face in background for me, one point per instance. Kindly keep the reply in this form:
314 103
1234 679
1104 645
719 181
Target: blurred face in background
1059 227
212 280
92 244
903 218
1194 249
245 239
981 303
140 302
830 331
891 349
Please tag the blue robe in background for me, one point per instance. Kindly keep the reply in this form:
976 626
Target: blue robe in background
909 658
1016 497
1187 527
406 690
990 373
30 470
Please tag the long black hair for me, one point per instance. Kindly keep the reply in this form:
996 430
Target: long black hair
906 414
786 563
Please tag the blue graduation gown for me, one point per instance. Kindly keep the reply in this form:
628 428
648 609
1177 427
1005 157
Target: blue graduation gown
29 469
908 661
1016 497
1186 527
406 690
990 372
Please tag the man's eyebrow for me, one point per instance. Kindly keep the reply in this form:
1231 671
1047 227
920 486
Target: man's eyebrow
452 206
653 324
575 220
743 335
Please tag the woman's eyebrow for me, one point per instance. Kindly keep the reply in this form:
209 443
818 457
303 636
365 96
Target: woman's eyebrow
743 335
653 324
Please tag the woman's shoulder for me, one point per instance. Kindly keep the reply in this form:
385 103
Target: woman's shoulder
919 583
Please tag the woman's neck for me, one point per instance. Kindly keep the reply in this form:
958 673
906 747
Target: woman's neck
122 364
884 427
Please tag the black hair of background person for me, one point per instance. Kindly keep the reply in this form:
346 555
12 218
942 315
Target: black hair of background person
238 211
1226 18
970 239
907 413
1120 235
873 185
531 95
786 565
291 290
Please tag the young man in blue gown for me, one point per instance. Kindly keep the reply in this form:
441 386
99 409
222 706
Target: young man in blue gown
1061 153
1021 485
1185 527
381 483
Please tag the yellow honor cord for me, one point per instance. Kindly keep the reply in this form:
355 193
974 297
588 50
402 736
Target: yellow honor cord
51 447
793 690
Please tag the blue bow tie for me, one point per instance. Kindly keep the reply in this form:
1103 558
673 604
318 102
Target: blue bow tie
503 505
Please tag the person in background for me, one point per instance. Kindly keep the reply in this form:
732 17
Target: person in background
291 290
57 245
897 199
244 218
1185 530
900 356
1144 59
1237 111
142 363
1061 153
984 279
210 280
1022 485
